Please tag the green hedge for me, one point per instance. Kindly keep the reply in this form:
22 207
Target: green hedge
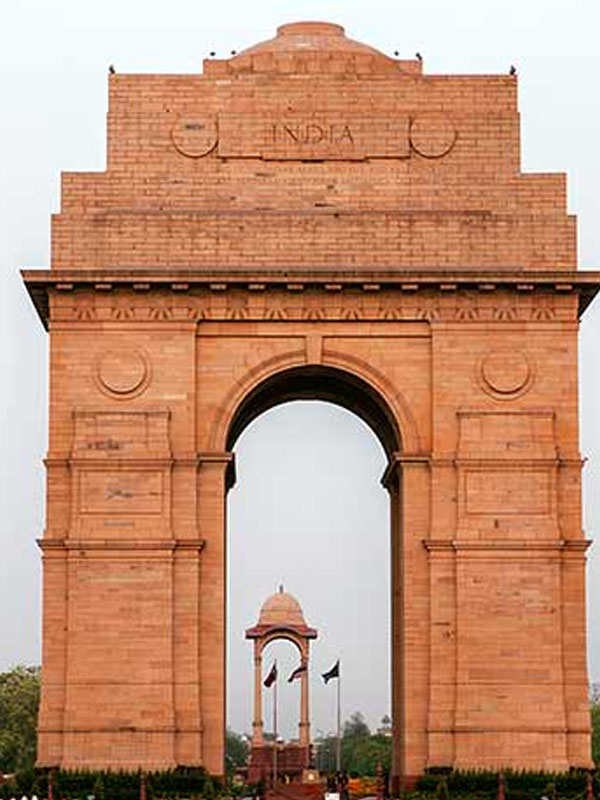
194 782
519 785
183 782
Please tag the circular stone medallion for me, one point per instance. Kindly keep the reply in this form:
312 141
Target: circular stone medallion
432 135
195 136
505 373
122 372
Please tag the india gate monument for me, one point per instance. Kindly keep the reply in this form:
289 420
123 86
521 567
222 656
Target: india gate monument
313 219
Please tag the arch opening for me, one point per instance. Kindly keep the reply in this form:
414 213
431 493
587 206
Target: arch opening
331 387
317 382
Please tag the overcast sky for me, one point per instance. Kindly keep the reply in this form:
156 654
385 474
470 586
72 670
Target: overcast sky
332 553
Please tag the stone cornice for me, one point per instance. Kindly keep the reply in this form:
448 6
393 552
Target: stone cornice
330 281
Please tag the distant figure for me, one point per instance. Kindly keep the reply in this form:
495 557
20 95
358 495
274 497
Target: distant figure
419 57
344 781
111 69
512 70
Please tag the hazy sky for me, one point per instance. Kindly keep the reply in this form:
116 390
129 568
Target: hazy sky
334 557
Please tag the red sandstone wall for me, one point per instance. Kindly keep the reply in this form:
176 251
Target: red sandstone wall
340 159
313 162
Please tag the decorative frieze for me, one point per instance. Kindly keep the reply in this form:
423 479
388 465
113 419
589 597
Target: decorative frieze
298 301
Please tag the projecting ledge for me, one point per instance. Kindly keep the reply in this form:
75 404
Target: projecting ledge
398 460
519 545
120 544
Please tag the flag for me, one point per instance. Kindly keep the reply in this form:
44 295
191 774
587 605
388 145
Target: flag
272 676
334 672
297 673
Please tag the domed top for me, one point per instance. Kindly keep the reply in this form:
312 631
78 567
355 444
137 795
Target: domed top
310 36
281 609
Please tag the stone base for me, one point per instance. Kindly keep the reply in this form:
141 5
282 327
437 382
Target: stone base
292 760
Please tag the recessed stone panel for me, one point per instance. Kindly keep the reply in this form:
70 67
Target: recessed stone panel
120 492
504 492
507 435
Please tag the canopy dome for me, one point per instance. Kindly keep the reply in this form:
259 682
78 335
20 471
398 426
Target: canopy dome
281 608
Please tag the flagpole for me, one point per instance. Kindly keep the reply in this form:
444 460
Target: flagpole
275 731
338 744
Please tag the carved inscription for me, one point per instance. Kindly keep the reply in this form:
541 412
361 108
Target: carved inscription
121 492
313 137
127 434
312 133
104 444
195 136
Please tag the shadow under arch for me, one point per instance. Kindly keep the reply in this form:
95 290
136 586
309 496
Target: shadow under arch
318 382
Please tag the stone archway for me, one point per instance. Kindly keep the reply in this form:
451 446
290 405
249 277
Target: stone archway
349 389
372 238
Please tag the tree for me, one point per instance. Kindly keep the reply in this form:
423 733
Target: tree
356 727
236 750
19 701
595 713
360 751
368 753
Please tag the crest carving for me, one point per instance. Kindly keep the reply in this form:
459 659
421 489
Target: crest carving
195 136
